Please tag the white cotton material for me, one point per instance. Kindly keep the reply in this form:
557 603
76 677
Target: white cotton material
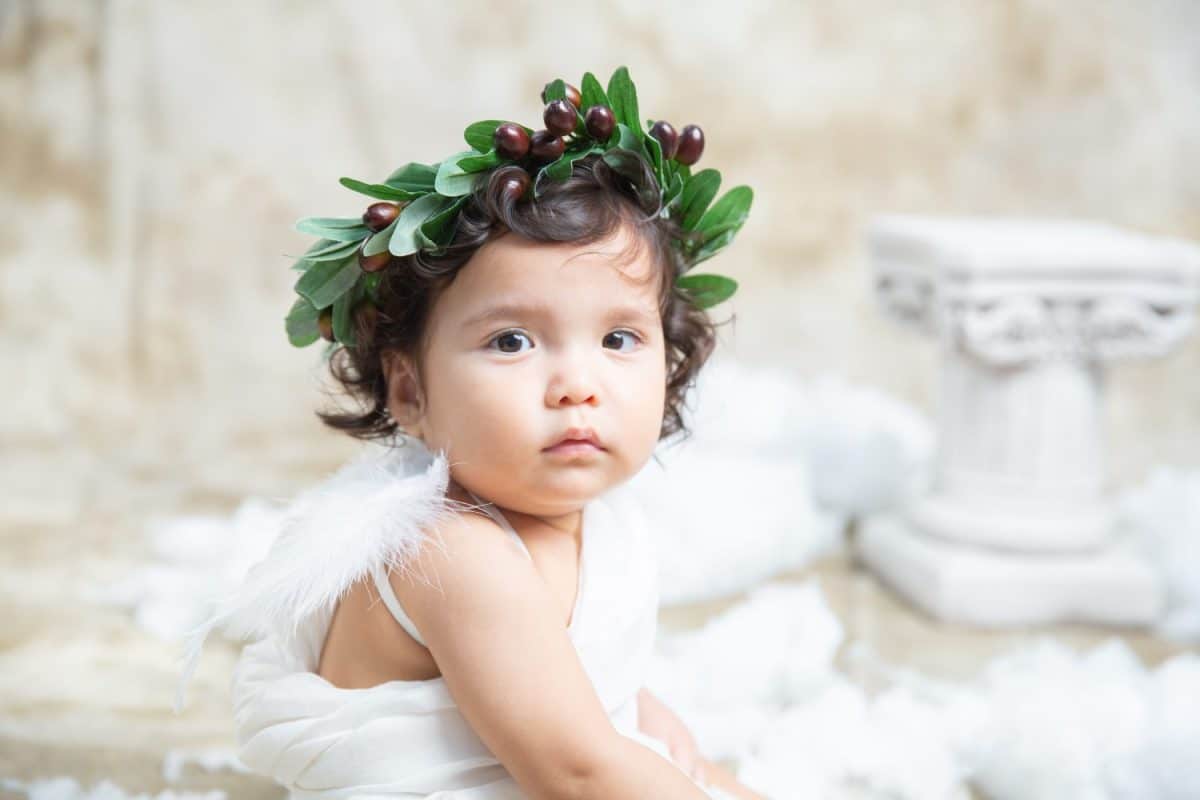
864 451
893 746
69 789
1163 516
210 759
710 549
758 685
732 505
1096 726
728 679
195 557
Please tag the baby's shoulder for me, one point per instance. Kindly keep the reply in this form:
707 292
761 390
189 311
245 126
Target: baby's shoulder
466 555
464 539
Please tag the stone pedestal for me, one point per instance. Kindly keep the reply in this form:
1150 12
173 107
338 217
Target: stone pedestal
1018 527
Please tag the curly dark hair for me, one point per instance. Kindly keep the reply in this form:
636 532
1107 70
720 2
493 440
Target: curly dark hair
584 208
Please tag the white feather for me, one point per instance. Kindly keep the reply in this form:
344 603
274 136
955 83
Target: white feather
375 511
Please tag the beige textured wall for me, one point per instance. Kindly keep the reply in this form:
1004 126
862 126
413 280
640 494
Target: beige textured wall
154 155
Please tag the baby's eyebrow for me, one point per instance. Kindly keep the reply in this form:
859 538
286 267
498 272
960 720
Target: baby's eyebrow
509 310
632 312
524 310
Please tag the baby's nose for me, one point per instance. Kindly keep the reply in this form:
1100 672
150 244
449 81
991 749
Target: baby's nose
571 386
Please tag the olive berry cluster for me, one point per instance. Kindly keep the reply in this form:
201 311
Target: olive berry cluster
684 146
377 217
513 142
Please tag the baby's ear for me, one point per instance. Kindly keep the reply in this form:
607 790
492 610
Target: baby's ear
404 392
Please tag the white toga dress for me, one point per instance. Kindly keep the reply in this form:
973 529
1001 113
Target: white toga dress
406 738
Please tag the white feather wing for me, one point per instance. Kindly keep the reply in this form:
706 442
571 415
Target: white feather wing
376 510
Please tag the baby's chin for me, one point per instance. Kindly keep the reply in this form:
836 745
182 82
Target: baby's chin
553 496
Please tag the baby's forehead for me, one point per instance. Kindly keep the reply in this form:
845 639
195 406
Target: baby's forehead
618 264
563 282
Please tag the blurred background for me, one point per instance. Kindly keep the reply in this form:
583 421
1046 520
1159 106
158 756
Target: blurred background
154 156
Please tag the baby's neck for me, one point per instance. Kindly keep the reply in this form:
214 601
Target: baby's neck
568 523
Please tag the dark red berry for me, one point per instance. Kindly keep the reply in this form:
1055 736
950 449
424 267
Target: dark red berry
559 117
666 136
545 146
573 95
379 215
511 141
325 324
600 121
691 145
374 263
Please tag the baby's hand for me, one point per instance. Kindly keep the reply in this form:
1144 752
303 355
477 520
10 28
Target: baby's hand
655 719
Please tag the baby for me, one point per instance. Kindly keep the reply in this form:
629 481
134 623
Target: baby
492 610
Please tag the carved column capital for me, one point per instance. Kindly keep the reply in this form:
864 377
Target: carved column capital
1024 328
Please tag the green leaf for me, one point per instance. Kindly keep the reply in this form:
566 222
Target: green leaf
674 189
697 194
733 207
561 168
623 99
324 250
480 163
301 323
327 280
413 177
479 134
452 181
707 290
334 222
709 234
414 215
654 147
626 138
340 230
712 247
380 191
591 92
556 90
628 164
425 243
438 228
379 242
343 316
317 246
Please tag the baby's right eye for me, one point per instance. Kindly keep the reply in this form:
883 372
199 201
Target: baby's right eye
510 342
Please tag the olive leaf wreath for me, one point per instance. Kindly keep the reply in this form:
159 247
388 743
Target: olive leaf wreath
418 204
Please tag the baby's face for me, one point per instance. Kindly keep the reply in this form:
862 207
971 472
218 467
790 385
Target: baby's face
530 341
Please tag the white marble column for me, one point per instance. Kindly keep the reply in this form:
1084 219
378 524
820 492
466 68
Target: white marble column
1018 527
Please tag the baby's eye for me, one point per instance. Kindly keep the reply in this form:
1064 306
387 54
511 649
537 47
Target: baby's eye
510 342
619 337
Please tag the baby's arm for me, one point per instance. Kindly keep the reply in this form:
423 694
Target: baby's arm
491 626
